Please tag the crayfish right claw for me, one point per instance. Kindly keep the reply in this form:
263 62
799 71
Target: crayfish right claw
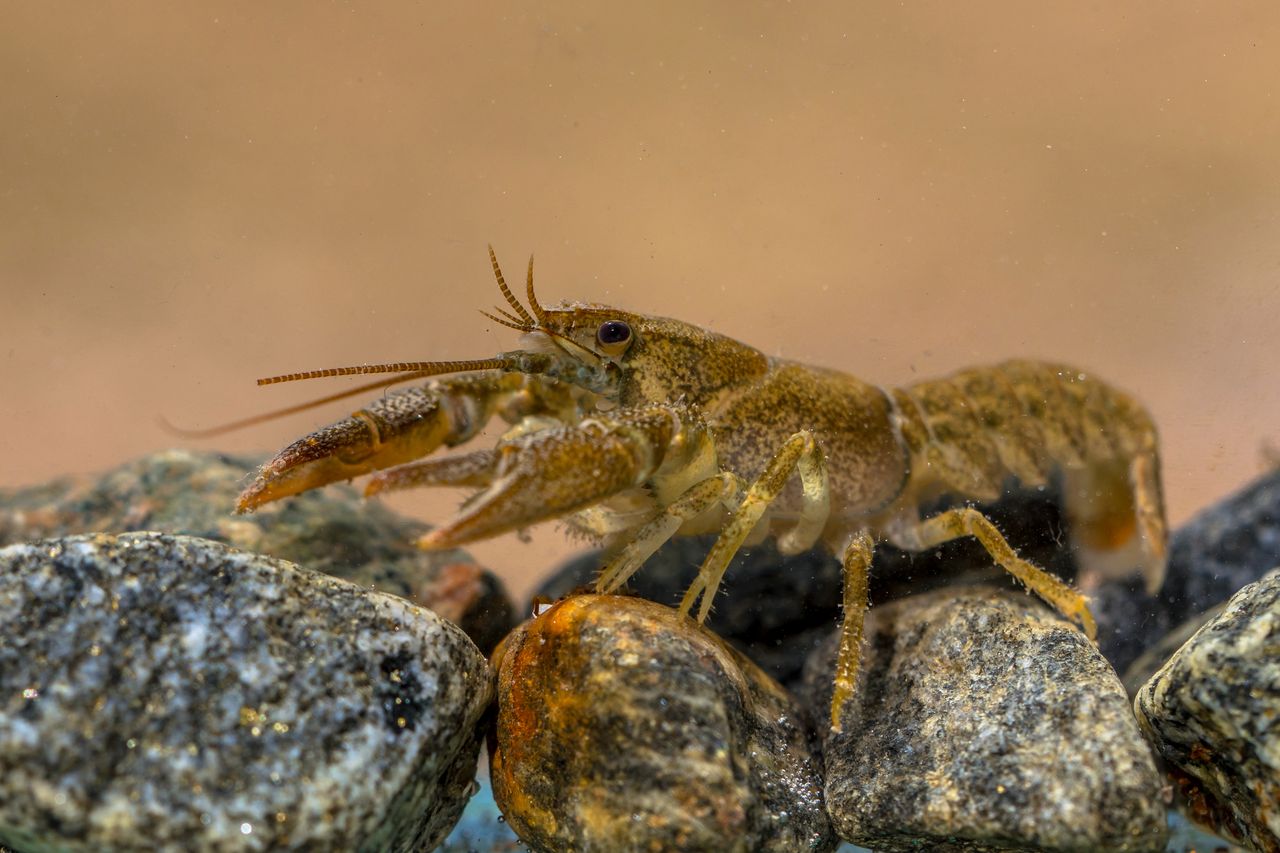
551 473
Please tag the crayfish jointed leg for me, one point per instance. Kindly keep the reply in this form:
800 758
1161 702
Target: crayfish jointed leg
799 452
952 524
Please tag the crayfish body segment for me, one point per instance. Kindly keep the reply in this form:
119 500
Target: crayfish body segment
632 429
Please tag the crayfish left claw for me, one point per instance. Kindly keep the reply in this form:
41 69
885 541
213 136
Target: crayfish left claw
551 473
398 428
337 452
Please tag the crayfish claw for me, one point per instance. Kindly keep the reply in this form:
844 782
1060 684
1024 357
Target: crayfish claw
337 452
551 473
396 429
466 469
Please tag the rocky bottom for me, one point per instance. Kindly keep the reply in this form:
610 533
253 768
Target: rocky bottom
162 691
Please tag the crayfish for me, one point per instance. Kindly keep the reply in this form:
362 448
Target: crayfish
632 429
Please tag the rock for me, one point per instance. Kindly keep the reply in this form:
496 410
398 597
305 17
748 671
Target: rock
1210 557
330 530
168 692
1213 713
622 726
985 722
777 609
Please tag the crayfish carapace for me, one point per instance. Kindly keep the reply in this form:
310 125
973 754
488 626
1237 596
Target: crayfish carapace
632 429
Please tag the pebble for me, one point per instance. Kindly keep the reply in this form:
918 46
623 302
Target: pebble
331 530
623 726
1213 713
171 693
985 722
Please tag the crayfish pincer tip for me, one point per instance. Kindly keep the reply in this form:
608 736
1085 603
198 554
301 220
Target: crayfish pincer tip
250 499
434 540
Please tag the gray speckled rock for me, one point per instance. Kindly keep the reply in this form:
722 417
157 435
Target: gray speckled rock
1213 712
329 530
985 722
623 726
170 693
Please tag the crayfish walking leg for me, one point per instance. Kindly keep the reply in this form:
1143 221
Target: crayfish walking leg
952 524
799 452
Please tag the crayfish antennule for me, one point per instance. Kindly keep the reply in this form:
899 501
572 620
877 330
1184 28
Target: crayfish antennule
533 300
510 322
506 292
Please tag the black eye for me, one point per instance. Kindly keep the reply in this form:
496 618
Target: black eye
613 332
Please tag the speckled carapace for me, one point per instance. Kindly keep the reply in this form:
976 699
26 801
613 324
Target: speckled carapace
632 429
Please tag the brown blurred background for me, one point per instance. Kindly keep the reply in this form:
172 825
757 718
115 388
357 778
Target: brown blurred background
195 195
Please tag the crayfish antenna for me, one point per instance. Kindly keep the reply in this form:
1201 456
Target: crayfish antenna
222 429
419 368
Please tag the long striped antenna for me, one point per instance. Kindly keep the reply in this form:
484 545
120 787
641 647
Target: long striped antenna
420 368
280 413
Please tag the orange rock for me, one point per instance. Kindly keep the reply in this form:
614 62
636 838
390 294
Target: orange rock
623 726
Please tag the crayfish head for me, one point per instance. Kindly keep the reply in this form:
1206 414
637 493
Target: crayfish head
626 358
633 359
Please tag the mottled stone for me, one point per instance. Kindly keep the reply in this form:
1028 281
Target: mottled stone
167 692
1213 713
329 530
1212 556
985 722
622 726
777 609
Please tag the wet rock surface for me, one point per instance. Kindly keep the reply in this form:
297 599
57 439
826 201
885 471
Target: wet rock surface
168 692
1212 556
329 530
622 726
985 722
1213 712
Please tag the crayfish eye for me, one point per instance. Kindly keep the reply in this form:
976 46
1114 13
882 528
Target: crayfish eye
613 336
